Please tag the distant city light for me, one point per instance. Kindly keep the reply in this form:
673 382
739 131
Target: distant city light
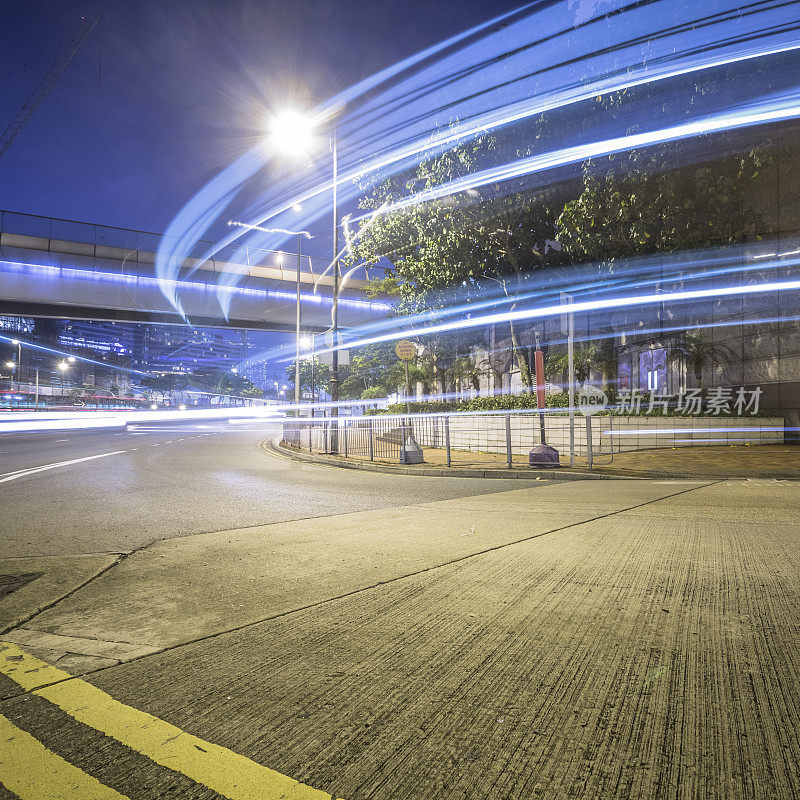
11 365
153 406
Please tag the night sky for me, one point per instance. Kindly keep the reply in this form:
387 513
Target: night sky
166 93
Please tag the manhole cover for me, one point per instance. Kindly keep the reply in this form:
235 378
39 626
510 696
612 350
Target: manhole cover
10 583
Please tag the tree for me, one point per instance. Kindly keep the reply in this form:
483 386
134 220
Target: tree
447 251
237 385
695 354
645 209
586 358
373 366
373 393
320 373
466 372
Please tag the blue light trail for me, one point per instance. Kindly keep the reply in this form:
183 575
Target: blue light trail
538 59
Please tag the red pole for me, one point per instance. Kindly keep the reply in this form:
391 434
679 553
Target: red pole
538 362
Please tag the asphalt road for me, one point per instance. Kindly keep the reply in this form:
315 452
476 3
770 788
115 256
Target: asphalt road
167 481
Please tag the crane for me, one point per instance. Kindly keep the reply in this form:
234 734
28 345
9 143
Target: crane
47 82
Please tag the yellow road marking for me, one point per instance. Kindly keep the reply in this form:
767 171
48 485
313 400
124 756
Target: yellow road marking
220 769
33 772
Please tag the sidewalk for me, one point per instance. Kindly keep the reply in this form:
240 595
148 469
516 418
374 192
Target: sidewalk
736 461
622 640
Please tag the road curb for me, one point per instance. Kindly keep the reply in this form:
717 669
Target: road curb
274 446
565 473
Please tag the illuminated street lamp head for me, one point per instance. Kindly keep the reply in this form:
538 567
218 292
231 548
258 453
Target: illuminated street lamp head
71 359
11 365
291 132
62 366
15 342
305 342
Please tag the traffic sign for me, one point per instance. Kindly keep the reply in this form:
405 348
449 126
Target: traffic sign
405 349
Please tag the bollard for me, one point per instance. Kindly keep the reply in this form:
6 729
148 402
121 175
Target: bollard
589 439
345 438
508 440
447 438
369 433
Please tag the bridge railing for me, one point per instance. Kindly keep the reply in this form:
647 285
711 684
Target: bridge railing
133 247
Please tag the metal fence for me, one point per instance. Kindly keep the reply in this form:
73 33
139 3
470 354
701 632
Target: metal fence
447 439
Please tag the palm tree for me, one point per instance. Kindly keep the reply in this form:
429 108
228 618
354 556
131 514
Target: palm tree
465 372
696 354
586 358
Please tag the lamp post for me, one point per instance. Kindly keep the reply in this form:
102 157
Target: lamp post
13 367
300 235
293 132
62 367
18 371
334 380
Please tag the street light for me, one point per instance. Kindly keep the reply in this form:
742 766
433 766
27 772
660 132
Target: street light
293 132
62 367
299 234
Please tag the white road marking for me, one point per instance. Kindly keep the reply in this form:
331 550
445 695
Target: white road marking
12 476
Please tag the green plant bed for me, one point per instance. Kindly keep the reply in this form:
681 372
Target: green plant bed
527 402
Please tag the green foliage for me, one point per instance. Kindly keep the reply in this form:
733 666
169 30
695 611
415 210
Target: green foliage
372 366
696 354
649 209
321 374
441 252
586 358
373 393
506 402
237 385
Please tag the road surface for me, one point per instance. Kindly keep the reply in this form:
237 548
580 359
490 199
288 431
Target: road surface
223 623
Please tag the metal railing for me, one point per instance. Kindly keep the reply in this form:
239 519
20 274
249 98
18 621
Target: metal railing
132 248
499 440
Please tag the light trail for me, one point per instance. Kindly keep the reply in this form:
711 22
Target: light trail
577 307
781 110
474 62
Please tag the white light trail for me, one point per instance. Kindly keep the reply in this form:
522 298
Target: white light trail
577 307
787 109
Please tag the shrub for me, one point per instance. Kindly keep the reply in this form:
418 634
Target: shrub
506 402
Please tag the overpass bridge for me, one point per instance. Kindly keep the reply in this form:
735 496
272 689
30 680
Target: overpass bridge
61 268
